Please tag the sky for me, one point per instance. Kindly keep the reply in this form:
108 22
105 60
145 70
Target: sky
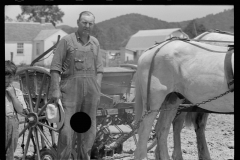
169 13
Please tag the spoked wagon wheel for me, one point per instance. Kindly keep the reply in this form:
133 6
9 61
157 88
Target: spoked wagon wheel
34 83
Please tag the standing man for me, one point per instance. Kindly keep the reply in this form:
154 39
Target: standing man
78 62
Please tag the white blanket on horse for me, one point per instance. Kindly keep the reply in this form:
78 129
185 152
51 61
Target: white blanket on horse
194 72
217 36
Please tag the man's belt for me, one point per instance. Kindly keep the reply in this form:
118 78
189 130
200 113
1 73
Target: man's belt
81 73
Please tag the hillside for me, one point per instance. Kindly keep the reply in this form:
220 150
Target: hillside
115 33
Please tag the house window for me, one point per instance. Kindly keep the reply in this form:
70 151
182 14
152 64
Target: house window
19 48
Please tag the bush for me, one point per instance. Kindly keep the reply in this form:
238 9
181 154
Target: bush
23 65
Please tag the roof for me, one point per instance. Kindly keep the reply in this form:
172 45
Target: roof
24 31
144 39
146 33
46 33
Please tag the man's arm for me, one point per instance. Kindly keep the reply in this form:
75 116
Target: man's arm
56 93
99 66
21 98
56 69
16 103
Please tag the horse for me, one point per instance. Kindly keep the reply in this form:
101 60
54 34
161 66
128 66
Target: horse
219 38
199 120
191 69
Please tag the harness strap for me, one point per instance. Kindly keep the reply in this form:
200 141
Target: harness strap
152 65
228 69
203 35
213 31
200 40
222 32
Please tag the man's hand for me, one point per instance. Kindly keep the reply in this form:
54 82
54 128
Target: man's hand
25 111
56 95
11 92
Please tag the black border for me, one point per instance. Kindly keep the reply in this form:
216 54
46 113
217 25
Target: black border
121 2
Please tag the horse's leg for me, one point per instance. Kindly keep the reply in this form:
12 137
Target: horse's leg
163 125
177 128
157 97
144 132
199 121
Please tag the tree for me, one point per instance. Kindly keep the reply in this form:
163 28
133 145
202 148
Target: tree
34 13
8 19
193 29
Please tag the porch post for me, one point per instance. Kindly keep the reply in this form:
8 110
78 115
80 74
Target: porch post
11 56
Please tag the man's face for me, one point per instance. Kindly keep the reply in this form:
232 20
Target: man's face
85 24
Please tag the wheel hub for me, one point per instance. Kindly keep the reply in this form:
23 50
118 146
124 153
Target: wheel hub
32 119
47 157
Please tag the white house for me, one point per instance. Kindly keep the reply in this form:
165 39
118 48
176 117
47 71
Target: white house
144 39
105 57
24 41
128 54
113 53
45 40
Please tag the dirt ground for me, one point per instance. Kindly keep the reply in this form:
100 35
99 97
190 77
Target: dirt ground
219 137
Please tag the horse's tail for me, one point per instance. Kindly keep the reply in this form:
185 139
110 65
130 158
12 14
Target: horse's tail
188 119
138 107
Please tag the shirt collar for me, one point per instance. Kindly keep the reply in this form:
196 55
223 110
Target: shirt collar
79 39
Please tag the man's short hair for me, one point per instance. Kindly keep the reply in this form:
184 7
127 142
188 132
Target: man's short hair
85 13
10 67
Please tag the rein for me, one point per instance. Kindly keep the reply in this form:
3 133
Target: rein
199 40
155 53
151 69
219 31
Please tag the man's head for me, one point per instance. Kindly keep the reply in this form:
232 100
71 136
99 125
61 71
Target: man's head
85 22
10 71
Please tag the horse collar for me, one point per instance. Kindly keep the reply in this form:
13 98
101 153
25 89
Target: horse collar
228 69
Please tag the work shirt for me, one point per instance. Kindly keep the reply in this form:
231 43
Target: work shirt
9 104
66 46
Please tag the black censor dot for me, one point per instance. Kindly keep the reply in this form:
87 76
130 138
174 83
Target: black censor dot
80 122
